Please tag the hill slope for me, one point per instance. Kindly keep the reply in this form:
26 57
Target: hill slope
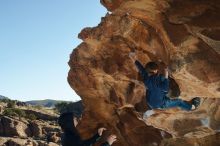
45 103
3 97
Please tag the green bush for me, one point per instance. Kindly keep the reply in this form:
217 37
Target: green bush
31 117
61 107
14 112
69 107
11 104
39 107
9 112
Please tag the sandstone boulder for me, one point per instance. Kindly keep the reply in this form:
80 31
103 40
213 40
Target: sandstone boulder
12 127
35 128
181 34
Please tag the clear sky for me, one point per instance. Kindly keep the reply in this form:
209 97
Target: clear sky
36 39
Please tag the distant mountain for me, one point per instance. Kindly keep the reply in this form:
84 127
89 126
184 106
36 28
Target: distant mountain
46 102
3 97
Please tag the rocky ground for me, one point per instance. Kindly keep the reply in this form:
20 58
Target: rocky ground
26 125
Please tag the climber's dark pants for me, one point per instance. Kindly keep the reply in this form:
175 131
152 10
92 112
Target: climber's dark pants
169 103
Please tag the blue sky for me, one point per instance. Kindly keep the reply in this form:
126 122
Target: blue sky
36 39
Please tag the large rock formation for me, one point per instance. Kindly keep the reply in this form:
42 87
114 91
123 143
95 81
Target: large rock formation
183 34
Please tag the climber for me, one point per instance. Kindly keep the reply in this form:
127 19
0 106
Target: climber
158 85
69 121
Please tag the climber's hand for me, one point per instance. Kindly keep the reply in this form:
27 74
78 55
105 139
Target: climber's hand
100 131
133 56
166 72
111 139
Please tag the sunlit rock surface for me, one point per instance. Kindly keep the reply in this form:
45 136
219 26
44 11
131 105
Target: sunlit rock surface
185 35
199 123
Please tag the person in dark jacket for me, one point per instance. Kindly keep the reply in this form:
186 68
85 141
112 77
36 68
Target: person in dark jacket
157 87
68 122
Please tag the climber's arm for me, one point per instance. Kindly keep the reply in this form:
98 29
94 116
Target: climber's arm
141 70
139 66
164 80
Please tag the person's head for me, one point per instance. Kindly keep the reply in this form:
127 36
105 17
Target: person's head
152 67
68 121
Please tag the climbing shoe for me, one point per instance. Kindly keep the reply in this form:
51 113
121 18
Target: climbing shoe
196 102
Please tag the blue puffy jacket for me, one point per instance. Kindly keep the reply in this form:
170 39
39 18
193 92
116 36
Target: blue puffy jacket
156 86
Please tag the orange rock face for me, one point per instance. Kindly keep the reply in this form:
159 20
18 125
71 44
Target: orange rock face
181 34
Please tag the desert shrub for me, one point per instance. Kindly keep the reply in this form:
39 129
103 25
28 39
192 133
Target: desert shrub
11 104
39 107
31 117
14 112
61 107
9 112
69 107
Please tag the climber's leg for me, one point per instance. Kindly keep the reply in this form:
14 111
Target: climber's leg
171 103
